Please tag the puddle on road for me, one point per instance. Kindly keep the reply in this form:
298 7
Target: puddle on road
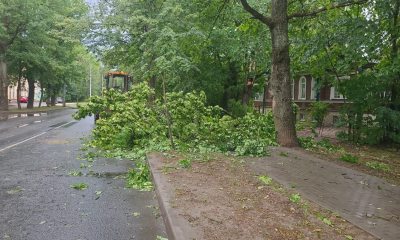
21 115
69 124
58 124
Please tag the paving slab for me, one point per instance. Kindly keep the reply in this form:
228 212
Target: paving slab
368 202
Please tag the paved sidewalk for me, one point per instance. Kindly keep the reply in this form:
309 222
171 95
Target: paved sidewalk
366 201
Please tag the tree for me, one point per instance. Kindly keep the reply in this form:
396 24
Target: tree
38 35
277 21
14 18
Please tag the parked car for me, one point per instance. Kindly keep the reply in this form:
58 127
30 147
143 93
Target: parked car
59 100
23 99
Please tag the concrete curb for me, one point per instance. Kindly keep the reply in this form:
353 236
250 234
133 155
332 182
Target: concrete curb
176 226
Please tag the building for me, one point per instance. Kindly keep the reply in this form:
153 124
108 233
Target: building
12 90
304 93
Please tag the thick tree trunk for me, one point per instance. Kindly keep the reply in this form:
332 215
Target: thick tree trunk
53 99
280 76
246 93
31 93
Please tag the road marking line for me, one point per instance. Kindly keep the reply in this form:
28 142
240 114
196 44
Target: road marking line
18 143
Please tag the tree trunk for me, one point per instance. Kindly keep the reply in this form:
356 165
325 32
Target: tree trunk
246 93
31 93
3 69
53 99
280 76
3 82
19 88
153 84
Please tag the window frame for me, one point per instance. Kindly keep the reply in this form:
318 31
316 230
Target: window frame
301 89
333 89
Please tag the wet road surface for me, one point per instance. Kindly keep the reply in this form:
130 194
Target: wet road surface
37 153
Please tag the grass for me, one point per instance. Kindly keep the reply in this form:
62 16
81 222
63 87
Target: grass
349 158
377 165
42 108
35 109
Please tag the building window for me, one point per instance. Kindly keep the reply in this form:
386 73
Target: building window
302 117
313 92
335 119
258 96
335 93
302 88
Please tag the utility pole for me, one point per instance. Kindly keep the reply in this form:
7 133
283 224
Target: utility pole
90 91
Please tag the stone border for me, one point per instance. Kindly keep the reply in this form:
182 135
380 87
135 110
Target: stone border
176 226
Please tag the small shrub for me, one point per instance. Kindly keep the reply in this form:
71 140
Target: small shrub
307 143
349 158
295 197
185 163
265 179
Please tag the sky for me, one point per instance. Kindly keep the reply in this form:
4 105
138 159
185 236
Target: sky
91 1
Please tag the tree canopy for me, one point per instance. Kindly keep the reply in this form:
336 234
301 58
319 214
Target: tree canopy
230 49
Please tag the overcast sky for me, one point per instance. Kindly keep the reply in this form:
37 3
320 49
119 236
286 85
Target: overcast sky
91 1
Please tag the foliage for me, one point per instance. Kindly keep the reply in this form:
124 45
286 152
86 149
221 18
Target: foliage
185 163
75 173
129 121
237 109
349 158
265 179
295 197
44 48
377 165
139 178
79 186
296 109
309 143
318 111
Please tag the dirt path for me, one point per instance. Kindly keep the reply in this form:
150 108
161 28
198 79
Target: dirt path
223 198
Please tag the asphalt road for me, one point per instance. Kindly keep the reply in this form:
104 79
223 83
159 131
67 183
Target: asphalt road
37 153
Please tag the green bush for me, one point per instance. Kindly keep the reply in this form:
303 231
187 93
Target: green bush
349 158
318 112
